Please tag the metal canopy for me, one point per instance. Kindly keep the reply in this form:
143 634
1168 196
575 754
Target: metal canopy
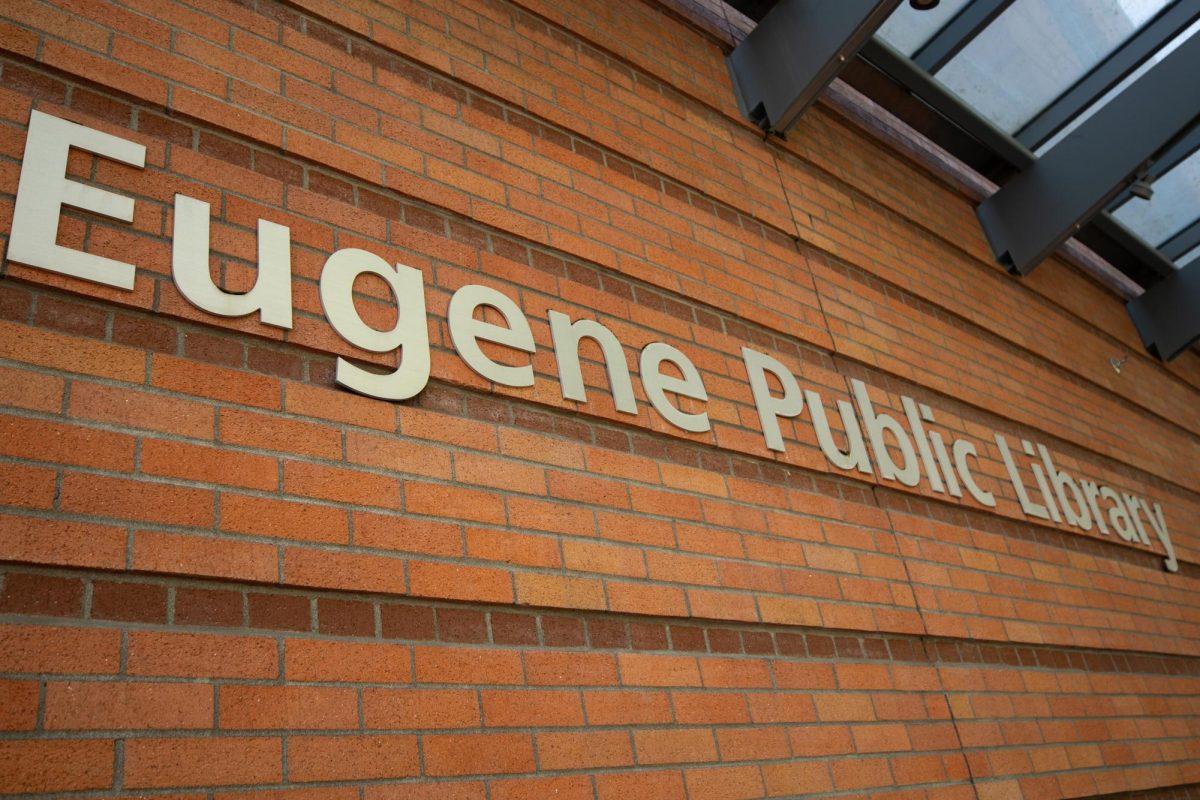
1039 209
1182 243
1166 316
795 51
1109 73
923 85
1104 91
947 42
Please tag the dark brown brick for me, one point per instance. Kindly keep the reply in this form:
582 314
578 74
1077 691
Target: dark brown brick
376 203
278 168
216 607
562 631
132 602
143 332
224 149
514 628
339 617
33 84
688 638
819 646
848 647
26 593
221 350
164 128
757 642
275 362
461 625
329 186
15 303
724 640
607 633
648 636
790 644
77 318
402 621
283 612
100 106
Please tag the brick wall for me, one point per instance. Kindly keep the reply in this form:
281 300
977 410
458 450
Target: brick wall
223 577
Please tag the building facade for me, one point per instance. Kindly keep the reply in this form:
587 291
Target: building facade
539 430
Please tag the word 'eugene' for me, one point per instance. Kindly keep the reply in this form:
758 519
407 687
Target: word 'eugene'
44 188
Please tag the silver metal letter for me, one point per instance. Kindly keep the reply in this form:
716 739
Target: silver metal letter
855 454
770 408
875 425
466 330
690 385
44 188
962 449
566 336
272 292
410 332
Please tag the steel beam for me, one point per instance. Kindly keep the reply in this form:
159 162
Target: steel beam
1165 316
1039 209
1109 72
1183 146
958 33
902 70
1182 243
795 51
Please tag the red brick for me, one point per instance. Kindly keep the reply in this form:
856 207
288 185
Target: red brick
340 485
88 705
56 765
202 655
65 444
144 410
18 705
354 662
627 707
358 757
283 519
282 434
122 498
27 593
586 750
208 761
477 754
567 787
287 707
209 465
420 708
70 353
61 542
667 785
467 665
204 555
675 746
59 650
531 708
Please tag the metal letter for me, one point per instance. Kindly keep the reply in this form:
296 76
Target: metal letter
410 331
770 407
656 385
272 292
566 335
466 330
44 188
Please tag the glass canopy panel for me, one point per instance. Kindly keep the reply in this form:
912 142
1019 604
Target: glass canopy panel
1036 50
908 29
1142 69
1174 205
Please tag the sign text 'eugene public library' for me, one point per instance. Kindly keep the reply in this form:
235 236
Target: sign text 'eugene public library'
44 188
